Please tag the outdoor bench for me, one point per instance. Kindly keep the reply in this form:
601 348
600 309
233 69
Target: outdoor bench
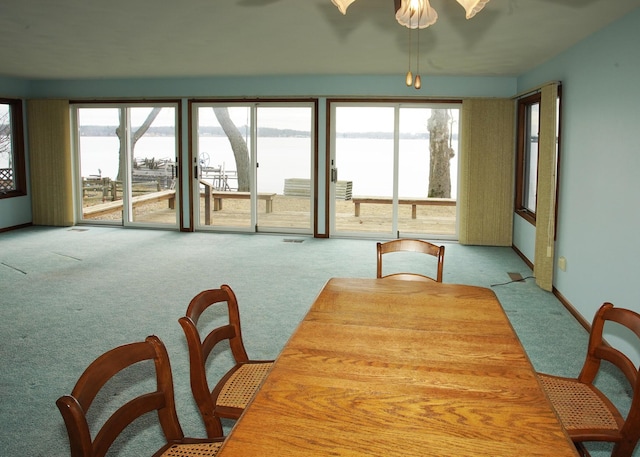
414 202
218 196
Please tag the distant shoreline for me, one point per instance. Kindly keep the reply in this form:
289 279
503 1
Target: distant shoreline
211 131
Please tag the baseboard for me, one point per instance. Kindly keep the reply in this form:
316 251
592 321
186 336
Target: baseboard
15 227
523 257
574 312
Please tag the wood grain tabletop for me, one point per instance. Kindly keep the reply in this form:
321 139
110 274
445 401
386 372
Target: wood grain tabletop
401 368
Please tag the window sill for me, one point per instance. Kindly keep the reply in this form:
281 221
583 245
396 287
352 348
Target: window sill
527 216
12 194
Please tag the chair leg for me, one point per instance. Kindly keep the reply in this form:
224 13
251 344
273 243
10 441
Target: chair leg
582 450
213 425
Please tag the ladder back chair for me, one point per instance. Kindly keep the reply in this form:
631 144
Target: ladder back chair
233 392
74 407
411 245
585 411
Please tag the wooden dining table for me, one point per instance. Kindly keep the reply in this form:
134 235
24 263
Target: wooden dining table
383 367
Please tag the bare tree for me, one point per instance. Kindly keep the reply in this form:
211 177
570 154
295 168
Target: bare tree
137 134
5 136
441 154
238 146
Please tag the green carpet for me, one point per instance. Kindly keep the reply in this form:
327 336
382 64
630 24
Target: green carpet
69 294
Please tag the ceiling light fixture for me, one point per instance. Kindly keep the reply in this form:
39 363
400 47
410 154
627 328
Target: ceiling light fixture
418 14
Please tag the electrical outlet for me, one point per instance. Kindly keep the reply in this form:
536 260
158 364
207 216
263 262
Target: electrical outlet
562 263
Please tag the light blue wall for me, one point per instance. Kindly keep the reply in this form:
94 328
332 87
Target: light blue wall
13 87
273 86
599 221
15 211
524 237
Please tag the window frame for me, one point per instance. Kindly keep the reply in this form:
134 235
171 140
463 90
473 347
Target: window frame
522 170
17 149
397 104
254 105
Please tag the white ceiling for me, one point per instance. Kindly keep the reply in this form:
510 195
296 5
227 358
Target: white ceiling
170 38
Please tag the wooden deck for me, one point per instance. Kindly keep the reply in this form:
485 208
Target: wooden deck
110 207
294 213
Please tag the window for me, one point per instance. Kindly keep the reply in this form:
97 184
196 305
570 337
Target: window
527 157
12 168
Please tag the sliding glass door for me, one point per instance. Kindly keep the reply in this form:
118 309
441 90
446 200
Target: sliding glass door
254 166
364 162
284 152
126 164
223 181
398 164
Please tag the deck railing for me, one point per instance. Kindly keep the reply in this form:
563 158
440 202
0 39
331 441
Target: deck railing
6 180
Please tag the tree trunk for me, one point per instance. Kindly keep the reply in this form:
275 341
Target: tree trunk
239 147
134 139
441 154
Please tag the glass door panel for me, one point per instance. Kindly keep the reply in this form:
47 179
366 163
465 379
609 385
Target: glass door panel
284 152
152 175
224 164
98 163
427 171
364 159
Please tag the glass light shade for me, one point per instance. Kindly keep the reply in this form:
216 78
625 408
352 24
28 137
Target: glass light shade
418 83
342 5
409 79
416 14
472 6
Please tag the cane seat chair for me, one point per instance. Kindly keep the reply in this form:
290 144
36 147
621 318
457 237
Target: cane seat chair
585 411
232 393
411 245
75 407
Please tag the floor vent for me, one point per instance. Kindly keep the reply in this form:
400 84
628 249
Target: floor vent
78 230
515 276
292 240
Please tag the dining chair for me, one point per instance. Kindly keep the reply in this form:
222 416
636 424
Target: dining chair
235 389
75 407
411 245
585 411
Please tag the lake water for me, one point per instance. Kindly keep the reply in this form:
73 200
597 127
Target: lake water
368 163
